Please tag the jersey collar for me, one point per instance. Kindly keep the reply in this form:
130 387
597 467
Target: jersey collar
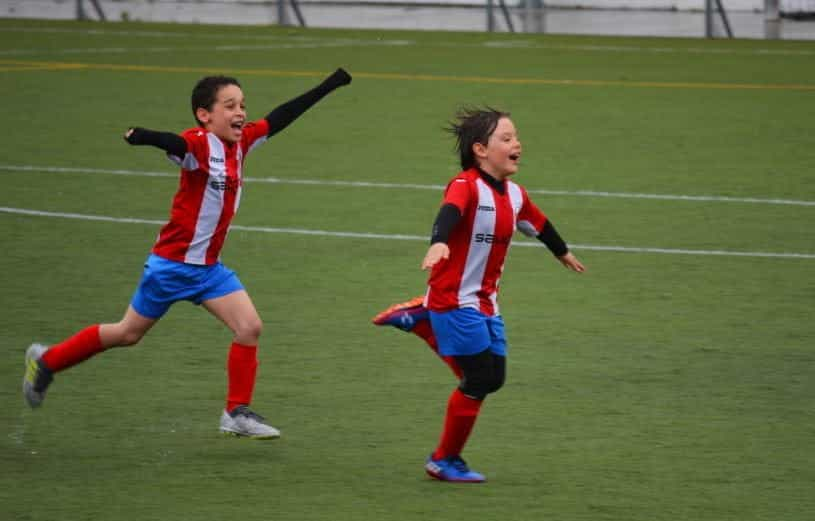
498 186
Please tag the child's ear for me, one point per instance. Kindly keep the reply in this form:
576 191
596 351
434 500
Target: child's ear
202 114
480 150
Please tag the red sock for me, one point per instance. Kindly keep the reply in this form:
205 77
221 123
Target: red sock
424 331
241 368
462 412
77 348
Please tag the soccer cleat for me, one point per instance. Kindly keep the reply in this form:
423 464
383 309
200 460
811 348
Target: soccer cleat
403 316
452 468
37 376
243 422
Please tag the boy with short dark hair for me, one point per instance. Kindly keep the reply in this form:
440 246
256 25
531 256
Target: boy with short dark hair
184 263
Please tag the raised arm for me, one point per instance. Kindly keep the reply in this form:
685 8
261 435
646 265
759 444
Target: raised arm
282 116
171 143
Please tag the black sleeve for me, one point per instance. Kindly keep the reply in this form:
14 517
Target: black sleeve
446 220
551 238
283 115
167 141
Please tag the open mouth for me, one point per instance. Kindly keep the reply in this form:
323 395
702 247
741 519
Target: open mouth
237 125
515 157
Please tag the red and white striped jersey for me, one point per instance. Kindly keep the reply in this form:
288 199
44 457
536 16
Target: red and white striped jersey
479 242
208 194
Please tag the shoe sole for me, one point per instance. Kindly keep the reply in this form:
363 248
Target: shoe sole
233 434
439 478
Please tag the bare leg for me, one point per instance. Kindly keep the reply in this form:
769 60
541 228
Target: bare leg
96 338
239 314
127 331
237 311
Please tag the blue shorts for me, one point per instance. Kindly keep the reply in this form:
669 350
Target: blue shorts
165 282
468 331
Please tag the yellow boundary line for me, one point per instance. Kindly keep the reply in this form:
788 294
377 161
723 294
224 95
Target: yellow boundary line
6 66
15 65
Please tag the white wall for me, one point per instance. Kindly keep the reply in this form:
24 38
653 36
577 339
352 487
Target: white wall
67 8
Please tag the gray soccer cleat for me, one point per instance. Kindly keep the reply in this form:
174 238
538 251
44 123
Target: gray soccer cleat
243 422
37 377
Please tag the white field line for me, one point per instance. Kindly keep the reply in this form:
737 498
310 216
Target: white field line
416 186
515 44
399 237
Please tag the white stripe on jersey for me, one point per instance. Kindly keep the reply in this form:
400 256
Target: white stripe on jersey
240 180
494 298
256 143
476 263
211 206
259 141
516 198
187 163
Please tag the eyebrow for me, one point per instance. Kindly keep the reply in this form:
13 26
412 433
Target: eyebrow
227 100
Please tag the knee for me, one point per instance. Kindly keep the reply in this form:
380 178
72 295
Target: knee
480 387
249 331
129 337
495 383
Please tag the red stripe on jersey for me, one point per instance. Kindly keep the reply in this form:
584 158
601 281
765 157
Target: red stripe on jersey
479 243
208 195
175 236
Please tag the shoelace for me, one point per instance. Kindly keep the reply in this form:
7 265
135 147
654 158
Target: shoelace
252 415
255 416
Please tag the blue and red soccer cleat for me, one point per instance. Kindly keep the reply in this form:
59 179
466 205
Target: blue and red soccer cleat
452 468
403 316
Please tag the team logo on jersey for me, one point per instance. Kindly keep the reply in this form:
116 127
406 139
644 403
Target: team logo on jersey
227 184
490 238
485 208
214 159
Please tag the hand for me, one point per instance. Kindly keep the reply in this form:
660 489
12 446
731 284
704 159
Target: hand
435 253
340 77
571 262
129 135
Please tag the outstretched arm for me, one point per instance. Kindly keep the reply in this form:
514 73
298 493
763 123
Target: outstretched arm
171 143
283 115
571 262
551 238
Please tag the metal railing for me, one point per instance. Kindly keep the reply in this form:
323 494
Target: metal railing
500 15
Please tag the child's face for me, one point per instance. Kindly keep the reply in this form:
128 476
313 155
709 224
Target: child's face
227 116
502 152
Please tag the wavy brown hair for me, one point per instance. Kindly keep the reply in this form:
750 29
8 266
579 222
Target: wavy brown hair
473 125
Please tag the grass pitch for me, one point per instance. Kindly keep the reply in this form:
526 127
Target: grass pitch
674 380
